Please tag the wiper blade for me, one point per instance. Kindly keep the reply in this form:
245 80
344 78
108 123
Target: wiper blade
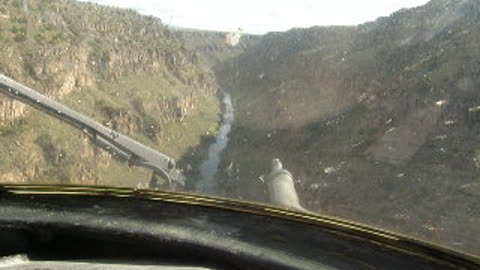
120 146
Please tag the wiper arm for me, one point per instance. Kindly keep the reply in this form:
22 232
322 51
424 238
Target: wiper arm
120 146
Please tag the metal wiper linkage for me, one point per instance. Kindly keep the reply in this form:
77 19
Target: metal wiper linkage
119 146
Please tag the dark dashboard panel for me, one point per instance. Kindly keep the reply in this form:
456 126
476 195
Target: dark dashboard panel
92 228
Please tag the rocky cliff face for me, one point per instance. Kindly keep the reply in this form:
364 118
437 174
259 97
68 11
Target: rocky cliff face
213 47
70 46
378 122
78 53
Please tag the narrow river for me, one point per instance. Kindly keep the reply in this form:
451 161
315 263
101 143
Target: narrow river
209 167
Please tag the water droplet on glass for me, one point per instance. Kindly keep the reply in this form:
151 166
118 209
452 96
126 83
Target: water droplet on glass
441 102
390 130
474 109
329 170
440 137
449 122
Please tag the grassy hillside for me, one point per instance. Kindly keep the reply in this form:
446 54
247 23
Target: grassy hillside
116 66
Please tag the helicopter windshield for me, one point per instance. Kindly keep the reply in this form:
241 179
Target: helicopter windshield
362 110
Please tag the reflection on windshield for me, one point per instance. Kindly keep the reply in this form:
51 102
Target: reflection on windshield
376 122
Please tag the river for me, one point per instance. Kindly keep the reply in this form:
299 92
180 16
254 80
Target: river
209 168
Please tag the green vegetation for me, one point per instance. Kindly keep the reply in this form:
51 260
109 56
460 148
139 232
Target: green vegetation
112 65
188 133
61 146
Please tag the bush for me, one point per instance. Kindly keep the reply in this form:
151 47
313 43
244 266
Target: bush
50 151
19 38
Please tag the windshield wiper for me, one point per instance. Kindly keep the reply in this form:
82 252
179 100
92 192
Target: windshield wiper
118 145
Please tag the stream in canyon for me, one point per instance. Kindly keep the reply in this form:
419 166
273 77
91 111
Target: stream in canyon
209 168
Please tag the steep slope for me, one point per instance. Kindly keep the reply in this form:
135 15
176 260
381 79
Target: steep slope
378 122
121 68
213 47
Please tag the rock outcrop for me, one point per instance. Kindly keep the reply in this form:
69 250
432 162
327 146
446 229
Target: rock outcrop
126 70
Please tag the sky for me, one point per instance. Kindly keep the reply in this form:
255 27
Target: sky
261 16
